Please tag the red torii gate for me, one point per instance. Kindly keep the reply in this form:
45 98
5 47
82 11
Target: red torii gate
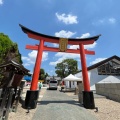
63 42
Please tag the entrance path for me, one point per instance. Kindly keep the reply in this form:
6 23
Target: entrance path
56 105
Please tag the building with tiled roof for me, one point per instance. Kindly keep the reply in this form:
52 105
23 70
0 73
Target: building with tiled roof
107 71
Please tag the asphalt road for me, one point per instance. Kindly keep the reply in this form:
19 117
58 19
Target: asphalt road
56 105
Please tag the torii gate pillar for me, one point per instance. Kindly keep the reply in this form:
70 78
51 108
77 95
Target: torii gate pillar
33 94
88 98
84 69
37 66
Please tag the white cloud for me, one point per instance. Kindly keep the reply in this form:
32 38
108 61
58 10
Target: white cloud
105 21
31 58
112 20
55 45
1 2
86 35
85 46
26 64
64 34
102 21
74 46
97 60
91 46
61 56
58 61
67 19
45 56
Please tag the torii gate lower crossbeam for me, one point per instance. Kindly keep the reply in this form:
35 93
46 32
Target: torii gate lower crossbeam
88 99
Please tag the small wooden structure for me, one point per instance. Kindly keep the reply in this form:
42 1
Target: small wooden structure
11 74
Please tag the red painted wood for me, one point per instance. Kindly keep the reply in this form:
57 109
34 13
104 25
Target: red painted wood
37 66
32 47
86 82
44 38
88 52
37 37
76 51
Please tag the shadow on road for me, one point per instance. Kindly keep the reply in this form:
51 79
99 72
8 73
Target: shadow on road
45 102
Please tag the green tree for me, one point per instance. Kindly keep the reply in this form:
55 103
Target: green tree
46 75
66 67
8 50
42 74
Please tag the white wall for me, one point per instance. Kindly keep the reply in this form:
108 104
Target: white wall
95 78
72 85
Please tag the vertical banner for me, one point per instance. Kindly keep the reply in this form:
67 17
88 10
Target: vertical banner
63 44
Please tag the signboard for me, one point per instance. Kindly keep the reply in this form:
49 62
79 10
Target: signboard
63 44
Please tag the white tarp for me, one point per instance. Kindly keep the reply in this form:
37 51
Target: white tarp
71 78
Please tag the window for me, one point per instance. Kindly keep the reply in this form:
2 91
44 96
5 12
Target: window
53 81
109 68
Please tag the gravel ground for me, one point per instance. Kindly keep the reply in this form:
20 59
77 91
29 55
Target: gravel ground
21 113
107 109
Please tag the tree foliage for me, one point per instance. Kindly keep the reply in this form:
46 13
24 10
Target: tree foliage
8 50
42 75
66 67
46 75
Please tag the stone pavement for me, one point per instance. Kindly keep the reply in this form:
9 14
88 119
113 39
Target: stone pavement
56 105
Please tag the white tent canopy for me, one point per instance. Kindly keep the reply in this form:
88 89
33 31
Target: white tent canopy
71 78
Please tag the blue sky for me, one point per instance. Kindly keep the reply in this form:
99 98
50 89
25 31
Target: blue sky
63 18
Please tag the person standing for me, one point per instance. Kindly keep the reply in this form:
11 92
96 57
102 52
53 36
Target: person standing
40 85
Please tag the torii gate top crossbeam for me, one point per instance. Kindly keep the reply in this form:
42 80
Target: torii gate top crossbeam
52 39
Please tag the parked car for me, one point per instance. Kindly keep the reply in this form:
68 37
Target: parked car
53 84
